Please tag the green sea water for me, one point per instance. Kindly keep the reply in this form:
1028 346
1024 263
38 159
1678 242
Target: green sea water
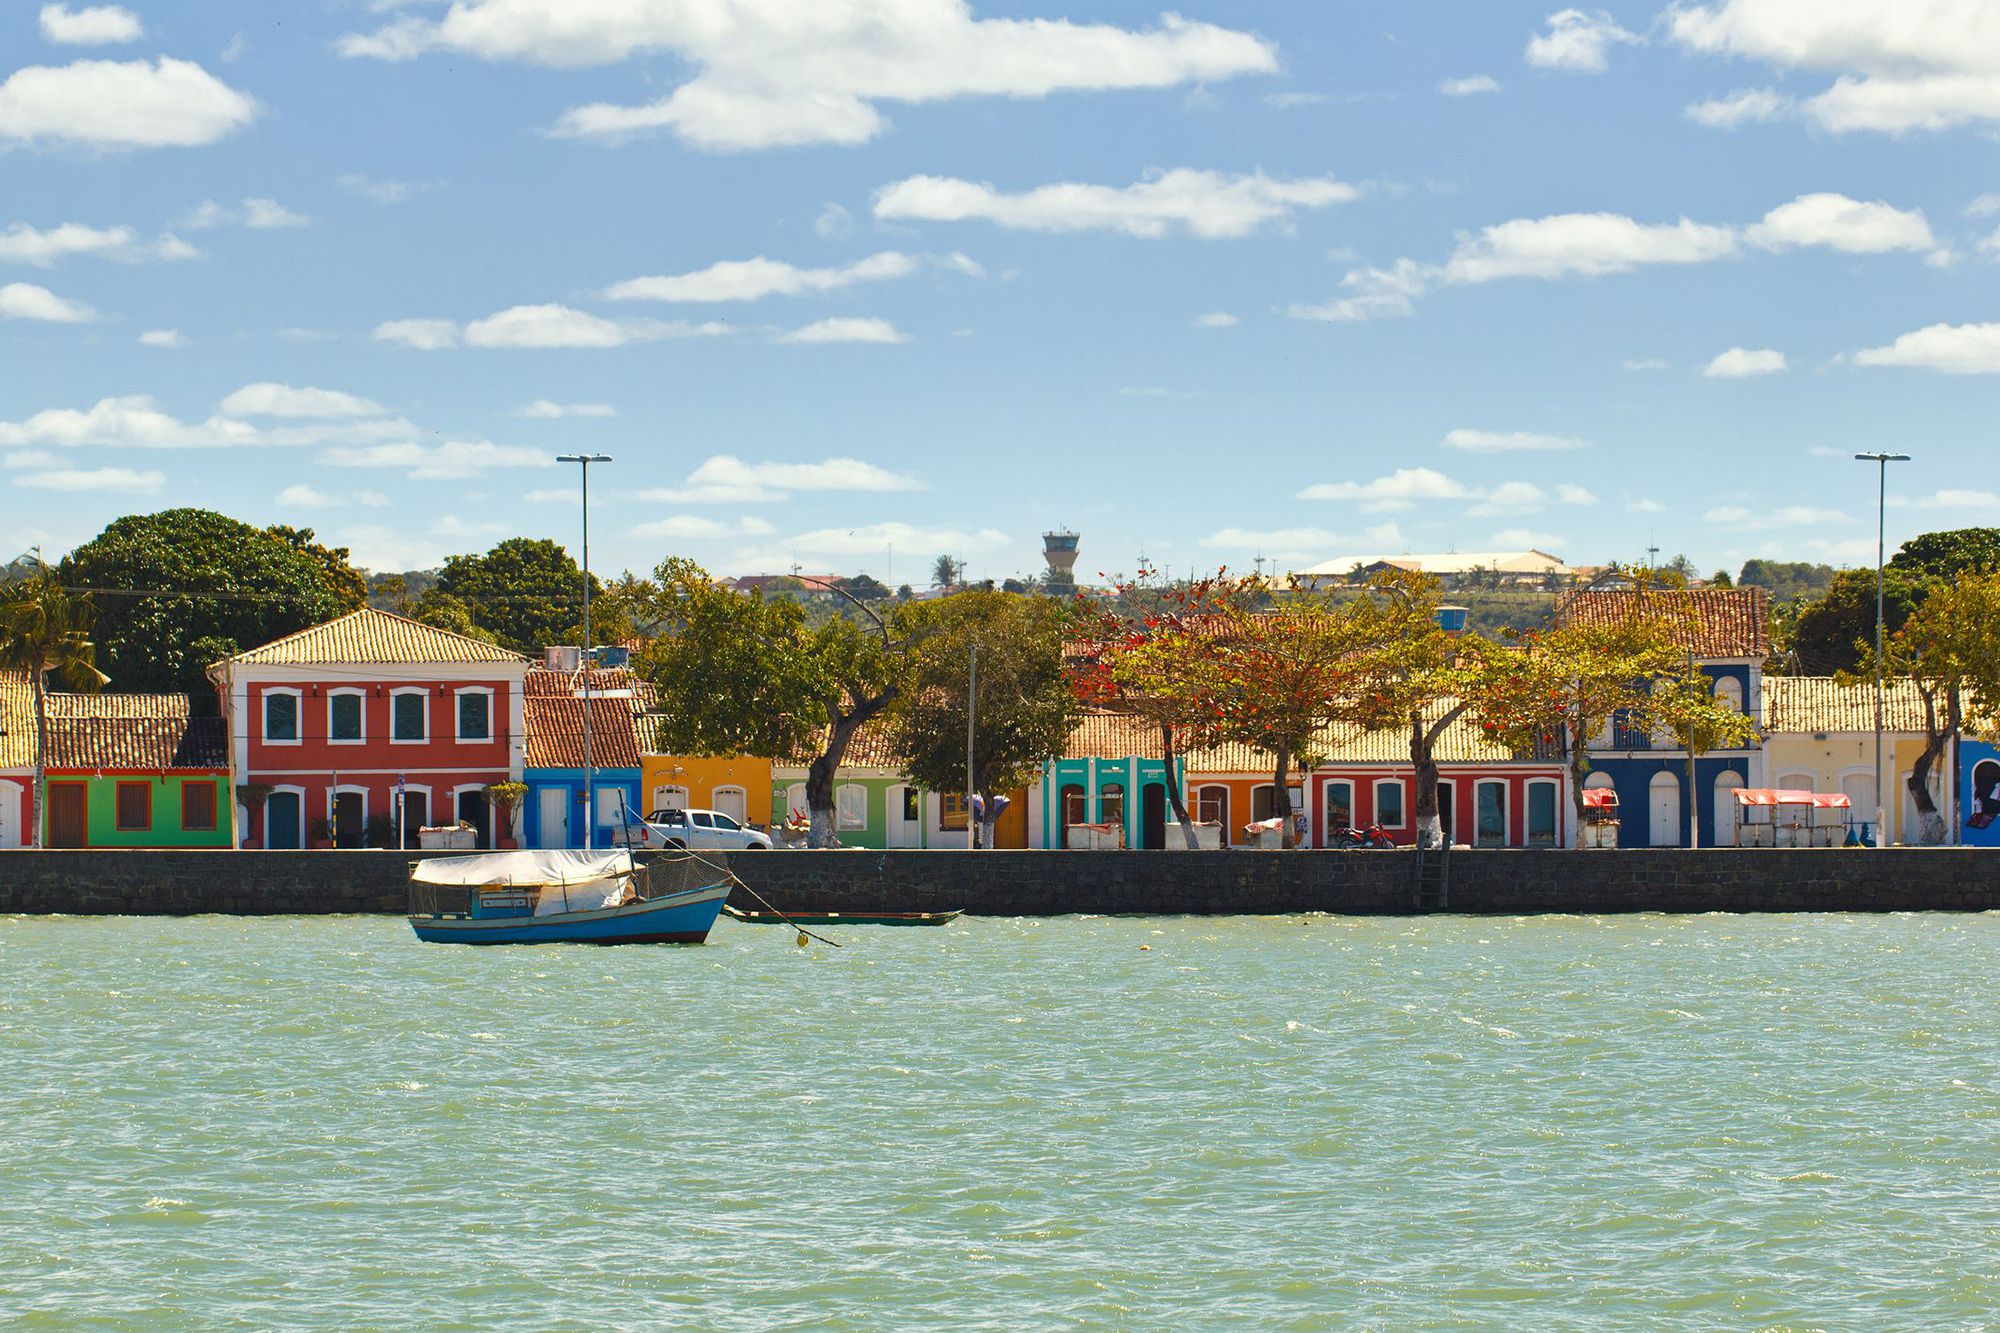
1540 1123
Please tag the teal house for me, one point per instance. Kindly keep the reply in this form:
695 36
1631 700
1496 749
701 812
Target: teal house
1110 774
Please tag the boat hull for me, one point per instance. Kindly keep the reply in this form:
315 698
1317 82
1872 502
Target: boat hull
844 918
685 918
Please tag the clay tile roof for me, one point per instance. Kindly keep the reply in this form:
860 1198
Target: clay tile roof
541 680
555 732
873 746
372 636
152 732
1725 622
1821 703
17 720
1112 736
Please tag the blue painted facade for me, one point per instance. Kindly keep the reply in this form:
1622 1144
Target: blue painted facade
536 828
1632 760
1979 793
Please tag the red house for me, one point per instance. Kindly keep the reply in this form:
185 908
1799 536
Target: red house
370 720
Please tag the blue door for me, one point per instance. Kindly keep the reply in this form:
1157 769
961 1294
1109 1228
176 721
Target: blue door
281 820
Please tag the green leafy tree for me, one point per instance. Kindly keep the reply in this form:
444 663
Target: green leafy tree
526 591
1836 632
1022 705
178 590
445 612
347 585
1684 706
1786 580
1946 555
45 631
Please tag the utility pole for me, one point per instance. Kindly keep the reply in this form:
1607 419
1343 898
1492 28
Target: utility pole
971 730
1881 462
589 771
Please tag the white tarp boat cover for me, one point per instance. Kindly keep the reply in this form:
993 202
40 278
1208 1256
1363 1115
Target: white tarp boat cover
527 870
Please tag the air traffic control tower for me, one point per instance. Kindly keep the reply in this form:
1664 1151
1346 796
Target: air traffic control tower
1059 549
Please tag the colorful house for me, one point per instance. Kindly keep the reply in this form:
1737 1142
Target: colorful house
737 786
1820 736
1979 794
136 770
1110 773
17 759
1727 637
371 717
877 807
553 710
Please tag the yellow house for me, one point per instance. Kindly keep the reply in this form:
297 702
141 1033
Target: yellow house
1819 735
739 788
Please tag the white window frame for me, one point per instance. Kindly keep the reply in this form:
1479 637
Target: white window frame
341 691
457 720
1528 810
840 806
1402 790
298 715
658 798
1506 822
421 692
1732 695
1326 795
715 800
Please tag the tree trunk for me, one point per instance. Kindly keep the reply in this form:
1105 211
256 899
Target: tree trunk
1579 768
1423 758
824 830
1930 824
1174 797
40 812
1281 800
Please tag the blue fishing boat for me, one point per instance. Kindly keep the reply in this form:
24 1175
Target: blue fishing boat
554 897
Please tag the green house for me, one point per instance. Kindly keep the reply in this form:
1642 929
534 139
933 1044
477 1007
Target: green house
136 770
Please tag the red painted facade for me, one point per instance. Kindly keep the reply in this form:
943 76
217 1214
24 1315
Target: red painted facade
1458 805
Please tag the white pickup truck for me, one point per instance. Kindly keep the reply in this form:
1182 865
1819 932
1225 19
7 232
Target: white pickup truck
694 830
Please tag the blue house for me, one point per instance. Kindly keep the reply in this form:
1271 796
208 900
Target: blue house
1979 797
1728 637
553 813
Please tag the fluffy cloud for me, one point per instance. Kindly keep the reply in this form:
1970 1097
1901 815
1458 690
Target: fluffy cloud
1740 363
544 410
689 527
1745 107
1216 319
162 338
772 73
846 331
283 400
24 300
1587 244
426 335
1900 64
1787 516
98 25
725 479
22 244
302 496
1511 497
1949 498
1840 223
452 461
1508 441
1577 42
1572 494
1208 204
537 326
103 480
258 214
117 105
1470 87
1401 489
1955 349
754 279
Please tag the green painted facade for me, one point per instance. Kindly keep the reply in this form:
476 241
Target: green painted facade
164 823
879 788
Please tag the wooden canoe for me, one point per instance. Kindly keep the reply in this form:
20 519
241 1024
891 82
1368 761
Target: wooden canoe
804 918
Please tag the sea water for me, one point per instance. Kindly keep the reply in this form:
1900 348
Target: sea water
1297 1122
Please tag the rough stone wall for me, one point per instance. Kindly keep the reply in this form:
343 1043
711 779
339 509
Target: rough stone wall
1052 883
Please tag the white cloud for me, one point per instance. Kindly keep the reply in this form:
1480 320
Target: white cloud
1985 206
22 244
1950 498
114 105
1377 293
689 527
115 480
1571 494
1577 42
302 496
97 25
1509 441
162 338
1216 319
772 73
28 458
1274 540
1289 101
258 214
1399 490
1745 362
1588 244
266 399
1208 204
846 331
1646 506
427 335
135 421
754 279
1745 107
1786 516
1526 539
24 300
1471 86
1511 497
1955 349
453 461
383 192
544 410
726 479
833 221
873 538
1901 65
1840 223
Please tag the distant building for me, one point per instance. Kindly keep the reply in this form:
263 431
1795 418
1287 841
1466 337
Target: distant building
1819 735
1451 568
1059 550
805 585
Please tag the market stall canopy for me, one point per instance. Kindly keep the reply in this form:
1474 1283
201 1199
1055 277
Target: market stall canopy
1819 800
1600 798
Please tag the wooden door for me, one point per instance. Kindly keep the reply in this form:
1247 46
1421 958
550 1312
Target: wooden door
66 814
1011 829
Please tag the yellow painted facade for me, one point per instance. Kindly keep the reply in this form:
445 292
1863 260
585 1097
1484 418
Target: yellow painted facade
1844 761
740 787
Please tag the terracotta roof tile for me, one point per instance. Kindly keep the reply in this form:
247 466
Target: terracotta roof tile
1115 736
153 732
17 720
541 680
873 746
1821 703
372 636
1725 622
555 732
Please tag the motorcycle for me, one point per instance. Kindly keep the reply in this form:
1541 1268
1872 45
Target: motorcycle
1372 837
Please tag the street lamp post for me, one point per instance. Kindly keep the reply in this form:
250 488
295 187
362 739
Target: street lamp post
1881 462
589 775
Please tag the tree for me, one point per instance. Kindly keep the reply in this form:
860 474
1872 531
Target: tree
1835 633
1720 579
44 631
624 610
863 588
526 591
446 612
1685 707
946 572
1946 555
347 585
1020 709
1785 580
177 591
1949 649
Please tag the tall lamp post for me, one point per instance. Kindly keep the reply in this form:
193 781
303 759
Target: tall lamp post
1881 462
589 773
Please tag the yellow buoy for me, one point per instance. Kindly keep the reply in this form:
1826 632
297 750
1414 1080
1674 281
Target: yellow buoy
803 941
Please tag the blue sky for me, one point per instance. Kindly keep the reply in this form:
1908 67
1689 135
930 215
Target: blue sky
852 289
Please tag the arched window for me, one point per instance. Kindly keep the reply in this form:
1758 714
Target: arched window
1729 690
1726 815
1111 803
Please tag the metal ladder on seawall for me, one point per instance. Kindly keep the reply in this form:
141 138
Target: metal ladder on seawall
1433 878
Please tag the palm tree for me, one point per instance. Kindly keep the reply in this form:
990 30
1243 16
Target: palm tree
43 631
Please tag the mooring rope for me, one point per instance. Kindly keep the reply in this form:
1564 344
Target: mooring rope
804 934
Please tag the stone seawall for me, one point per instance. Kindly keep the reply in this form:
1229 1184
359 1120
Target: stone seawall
1053 883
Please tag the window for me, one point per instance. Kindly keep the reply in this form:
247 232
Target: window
343 717
1111 803
135 806
1729 690
409 716
1389 803
910 805
1076 809
673 818
1211 805
1490 814
701 818
475 715
1541 814
725 822
1339 806
852 802
951 810
674 798
281 716
198 807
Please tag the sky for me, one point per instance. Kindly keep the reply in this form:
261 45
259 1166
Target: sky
844 287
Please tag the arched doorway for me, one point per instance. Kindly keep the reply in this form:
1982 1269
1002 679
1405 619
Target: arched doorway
1211 806
1726 783
474 810
1075 810
1985 804
1663 828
